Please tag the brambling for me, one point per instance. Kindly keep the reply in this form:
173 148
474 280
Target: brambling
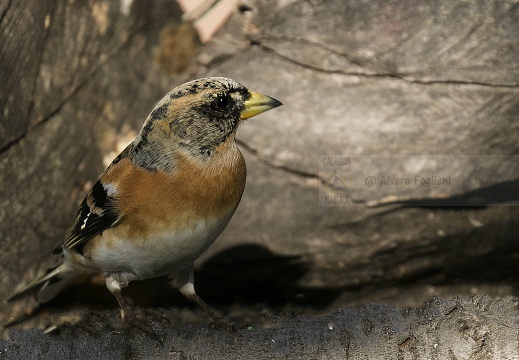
165 198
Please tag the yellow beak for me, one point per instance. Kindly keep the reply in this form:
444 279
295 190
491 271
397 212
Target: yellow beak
258 103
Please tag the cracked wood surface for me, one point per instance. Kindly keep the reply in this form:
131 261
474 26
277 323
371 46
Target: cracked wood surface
460 328
378 78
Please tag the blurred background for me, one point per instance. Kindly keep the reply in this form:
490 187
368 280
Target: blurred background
426 88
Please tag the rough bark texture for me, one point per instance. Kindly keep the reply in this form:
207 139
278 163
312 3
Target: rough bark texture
461 328
377 78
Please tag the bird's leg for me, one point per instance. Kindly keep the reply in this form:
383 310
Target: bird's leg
184 282
124 308
115 288
189 292
128 316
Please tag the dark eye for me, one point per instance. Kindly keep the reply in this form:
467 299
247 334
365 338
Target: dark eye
222 102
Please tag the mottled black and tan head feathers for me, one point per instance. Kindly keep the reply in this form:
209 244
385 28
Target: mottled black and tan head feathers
197 117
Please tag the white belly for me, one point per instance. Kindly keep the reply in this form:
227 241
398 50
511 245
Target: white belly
163 254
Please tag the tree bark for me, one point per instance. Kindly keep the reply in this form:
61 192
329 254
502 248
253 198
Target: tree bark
459 328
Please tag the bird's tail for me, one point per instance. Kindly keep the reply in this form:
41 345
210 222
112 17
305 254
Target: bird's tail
50 284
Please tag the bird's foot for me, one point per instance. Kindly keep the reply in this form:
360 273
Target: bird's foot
220 324
140 319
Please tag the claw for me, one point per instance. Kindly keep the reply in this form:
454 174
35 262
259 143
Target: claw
131 320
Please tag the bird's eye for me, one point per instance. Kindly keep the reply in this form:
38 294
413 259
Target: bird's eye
222 102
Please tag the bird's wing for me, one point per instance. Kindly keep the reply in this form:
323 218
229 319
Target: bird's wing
97 212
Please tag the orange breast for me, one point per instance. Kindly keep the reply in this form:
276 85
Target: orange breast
155 201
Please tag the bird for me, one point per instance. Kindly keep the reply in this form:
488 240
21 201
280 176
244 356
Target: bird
164 199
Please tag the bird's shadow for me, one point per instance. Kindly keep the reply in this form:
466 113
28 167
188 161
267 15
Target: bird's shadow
252 274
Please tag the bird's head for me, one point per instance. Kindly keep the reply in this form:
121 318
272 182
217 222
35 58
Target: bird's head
202 114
